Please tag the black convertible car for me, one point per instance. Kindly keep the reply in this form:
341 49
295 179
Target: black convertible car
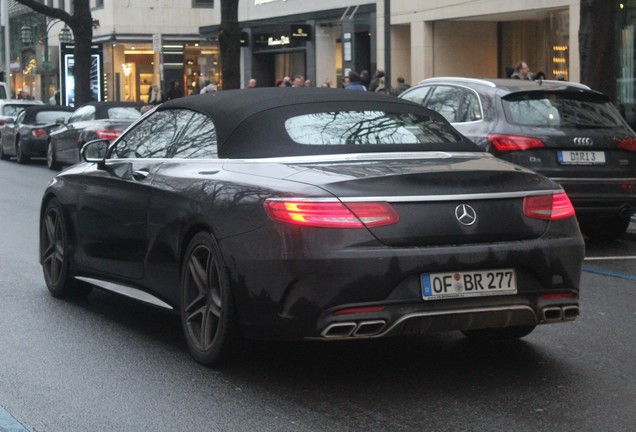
319 214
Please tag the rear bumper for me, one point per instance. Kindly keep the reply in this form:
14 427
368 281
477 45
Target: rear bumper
303 298
601 196
33 147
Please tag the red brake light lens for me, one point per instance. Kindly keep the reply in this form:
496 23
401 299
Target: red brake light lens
506 143
548 207
565 295
363 309
39 133
628 144
332 214
108 134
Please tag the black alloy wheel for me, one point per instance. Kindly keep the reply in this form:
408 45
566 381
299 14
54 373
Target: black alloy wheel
50 157
20 157
499 334
54 253
208 316
604 229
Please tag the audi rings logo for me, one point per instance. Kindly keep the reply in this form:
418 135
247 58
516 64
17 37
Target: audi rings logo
583 141
465 214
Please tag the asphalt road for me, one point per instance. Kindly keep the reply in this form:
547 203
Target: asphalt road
105 363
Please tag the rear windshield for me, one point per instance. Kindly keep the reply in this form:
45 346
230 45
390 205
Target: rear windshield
367 128
561 110
46 117
123 113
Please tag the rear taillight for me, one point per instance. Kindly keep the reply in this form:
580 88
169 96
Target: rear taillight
548 207
332 214
108 134
38 133
628 144
506 143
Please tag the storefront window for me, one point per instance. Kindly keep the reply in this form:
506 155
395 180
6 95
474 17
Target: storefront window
626 28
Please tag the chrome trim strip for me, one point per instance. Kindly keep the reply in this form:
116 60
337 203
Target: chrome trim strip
424 198
594 180
126 291
323 158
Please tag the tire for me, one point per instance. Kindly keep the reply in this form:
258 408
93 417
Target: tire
499 334
54 253
20 157
208 314
50 157
3 155
604 229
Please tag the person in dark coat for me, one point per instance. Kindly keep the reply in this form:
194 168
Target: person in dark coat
175 91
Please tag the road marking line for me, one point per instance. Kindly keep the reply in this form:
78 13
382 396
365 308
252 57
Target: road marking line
608 258
610 273
8 423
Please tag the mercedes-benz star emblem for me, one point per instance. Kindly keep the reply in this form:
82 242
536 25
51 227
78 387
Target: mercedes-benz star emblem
465 214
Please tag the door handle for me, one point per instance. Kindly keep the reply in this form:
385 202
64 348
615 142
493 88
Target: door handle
141 174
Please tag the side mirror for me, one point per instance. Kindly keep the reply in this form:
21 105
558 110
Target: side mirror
60 121
95 152
10 121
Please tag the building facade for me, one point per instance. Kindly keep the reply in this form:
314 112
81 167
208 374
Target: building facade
135 43
320 40
481 38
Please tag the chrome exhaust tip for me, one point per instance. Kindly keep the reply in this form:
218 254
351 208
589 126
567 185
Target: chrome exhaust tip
552 314
339 330
570 313
369 328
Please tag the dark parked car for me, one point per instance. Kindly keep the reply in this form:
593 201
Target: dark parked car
563 130
9 110
27 136
93 120
319 214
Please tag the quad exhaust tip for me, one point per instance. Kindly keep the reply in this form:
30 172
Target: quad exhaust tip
565 313
353 329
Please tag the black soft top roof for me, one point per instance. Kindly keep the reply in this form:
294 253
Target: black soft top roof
241 116
32 111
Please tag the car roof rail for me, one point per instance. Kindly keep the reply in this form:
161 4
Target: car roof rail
459 79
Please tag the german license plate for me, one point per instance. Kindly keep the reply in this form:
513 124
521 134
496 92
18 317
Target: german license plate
575 157
437 286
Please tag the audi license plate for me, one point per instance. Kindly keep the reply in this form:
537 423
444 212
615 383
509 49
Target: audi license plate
575 157
437 286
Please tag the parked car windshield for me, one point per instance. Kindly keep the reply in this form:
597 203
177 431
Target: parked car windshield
561 110
367 128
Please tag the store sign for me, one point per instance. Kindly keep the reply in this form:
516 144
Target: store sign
67 71
300 32
281 41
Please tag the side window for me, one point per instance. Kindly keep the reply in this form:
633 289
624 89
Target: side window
198 140
447 101
472 108
152 138
416 95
